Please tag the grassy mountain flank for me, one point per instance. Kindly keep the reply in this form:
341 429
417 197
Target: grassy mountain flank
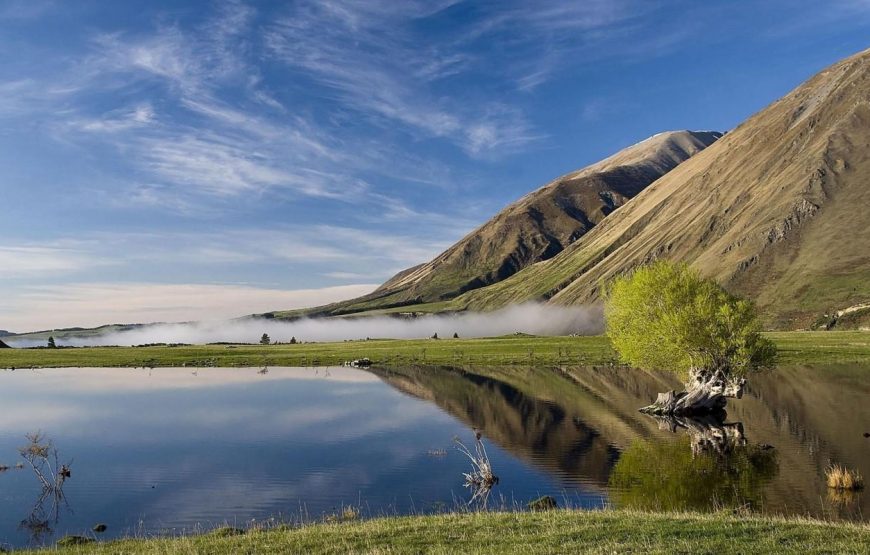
534 228
776 210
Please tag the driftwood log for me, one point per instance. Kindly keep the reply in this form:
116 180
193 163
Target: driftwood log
707 392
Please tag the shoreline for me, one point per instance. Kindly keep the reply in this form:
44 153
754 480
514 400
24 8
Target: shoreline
561 530
814 348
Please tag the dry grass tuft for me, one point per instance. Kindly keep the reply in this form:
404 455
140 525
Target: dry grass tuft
841 478
481 479
347 513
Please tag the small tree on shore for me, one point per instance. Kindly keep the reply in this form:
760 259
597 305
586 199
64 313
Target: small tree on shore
265 340
665 316
51 344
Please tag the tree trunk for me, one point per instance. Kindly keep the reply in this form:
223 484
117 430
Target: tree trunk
706 392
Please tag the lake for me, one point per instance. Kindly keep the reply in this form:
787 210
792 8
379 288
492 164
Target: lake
168 451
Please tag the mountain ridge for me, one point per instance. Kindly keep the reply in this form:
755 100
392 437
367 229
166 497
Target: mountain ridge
534 228
772 211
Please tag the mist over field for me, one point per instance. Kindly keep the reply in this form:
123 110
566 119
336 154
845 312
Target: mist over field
535 319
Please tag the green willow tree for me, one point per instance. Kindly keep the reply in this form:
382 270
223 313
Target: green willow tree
666 316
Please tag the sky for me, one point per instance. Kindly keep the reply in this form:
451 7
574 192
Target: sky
195 160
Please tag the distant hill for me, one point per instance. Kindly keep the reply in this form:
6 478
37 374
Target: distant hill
77 332
534 228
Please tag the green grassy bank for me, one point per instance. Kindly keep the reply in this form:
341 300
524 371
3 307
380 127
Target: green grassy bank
794 348
524 533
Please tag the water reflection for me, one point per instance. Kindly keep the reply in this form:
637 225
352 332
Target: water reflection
582 425
44 515
537 428
168 450
711 466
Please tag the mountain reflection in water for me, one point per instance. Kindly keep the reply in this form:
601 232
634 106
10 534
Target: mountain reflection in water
583 425
170 450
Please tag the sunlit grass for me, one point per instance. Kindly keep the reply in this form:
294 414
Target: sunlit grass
515 350
559 531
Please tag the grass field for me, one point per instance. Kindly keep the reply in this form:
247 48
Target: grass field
523 533
794 348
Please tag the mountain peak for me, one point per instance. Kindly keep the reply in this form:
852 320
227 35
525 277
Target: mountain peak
538 226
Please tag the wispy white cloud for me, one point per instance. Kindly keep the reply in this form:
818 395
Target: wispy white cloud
225 165
27 96
200 144
327 250
116 121
403 250
365 55
234 151
213 139
553 16
92 304
312 244
38 260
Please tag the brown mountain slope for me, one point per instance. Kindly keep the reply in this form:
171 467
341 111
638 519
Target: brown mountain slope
777 210
536 227
544 222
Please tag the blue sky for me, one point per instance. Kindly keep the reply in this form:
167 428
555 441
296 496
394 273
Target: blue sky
192 160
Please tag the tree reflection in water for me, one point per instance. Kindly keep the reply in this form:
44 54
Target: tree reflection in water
44 515
42 457
710 466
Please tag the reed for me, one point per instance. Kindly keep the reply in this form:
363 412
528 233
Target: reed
841 478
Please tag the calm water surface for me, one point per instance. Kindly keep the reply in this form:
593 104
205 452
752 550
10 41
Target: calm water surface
167 450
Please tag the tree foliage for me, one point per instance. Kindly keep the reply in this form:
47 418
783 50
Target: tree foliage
265 340
666 316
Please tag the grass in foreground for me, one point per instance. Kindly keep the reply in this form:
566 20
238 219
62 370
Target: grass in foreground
520 350
525 533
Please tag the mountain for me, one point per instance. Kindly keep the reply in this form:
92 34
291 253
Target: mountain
544 222
536 227
777 211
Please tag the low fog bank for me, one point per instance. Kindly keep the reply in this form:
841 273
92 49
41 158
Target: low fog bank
534 319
